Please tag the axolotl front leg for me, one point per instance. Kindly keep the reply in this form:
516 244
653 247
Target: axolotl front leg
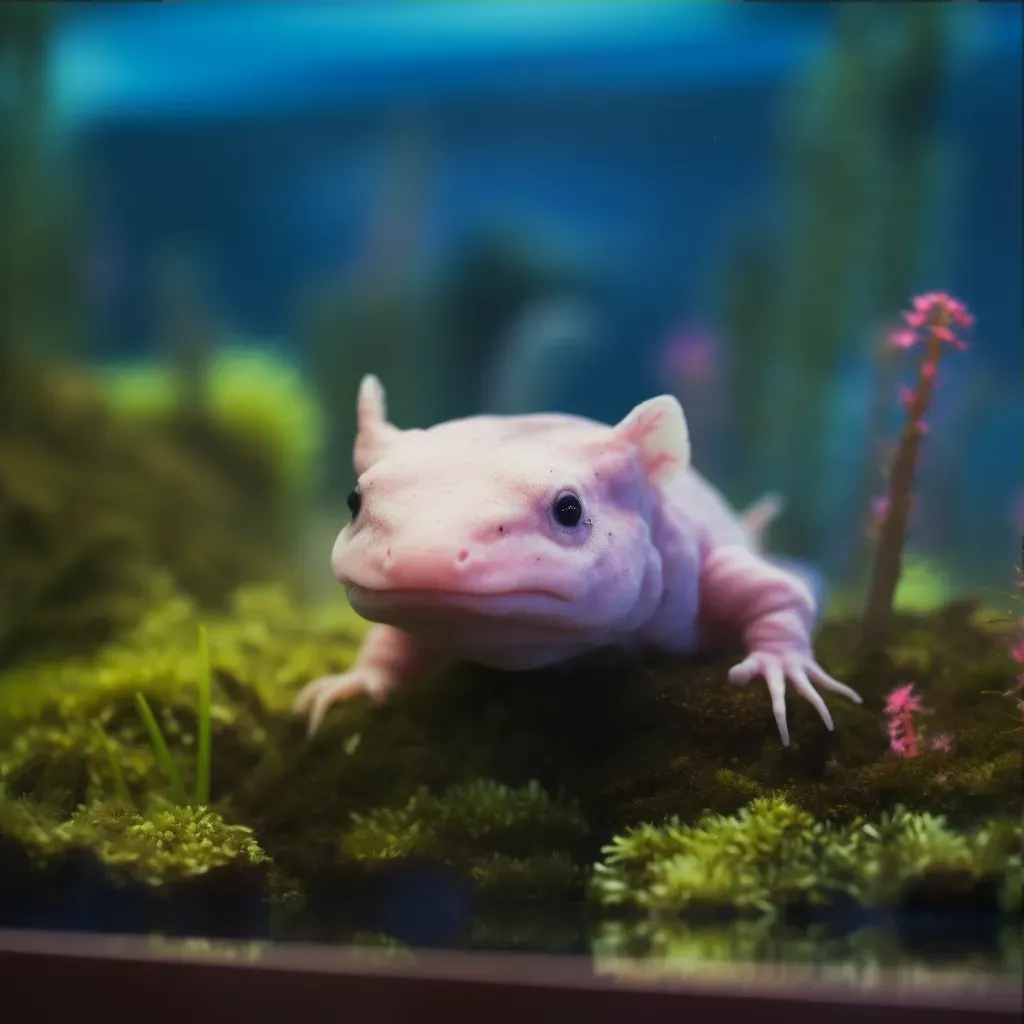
387 660
775 612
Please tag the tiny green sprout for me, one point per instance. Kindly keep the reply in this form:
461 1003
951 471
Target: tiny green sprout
162 751
351 745
204 752
204 745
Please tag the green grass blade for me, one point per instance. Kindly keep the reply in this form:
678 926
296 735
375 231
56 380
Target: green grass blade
162 751
205 740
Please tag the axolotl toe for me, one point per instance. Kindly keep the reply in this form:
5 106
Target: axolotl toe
523 541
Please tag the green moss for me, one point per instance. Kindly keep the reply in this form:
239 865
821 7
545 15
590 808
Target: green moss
768 856
163 846
774 857
167 844
463 768
61 723
464 827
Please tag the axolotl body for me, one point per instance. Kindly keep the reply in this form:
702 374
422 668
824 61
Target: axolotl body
518 542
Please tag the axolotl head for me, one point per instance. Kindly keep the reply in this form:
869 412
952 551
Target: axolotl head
508 540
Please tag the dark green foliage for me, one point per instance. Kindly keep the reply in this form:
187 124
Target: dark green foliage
40 220
464 827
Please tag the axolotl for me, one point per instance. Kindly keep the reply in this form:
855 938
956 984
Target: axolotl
518 542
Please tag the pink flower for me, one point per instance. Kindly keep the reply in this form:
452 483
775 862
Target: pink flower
945 305
900 705
943 742
903 699
899 708
902 338
1017 653
933 313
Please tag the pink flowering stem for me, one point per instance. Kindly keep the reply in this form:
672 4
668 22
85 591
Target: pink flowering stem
893 528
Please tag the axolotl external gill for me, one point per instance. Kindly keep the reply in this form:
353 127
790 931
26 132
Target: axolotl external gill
518 542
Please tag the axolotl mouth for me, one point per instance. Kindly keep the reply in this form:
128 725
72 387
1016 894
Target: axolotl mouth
471 600
396 604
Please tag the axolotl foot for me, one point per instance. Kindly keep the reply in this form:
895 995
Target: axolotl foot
316 697
799 669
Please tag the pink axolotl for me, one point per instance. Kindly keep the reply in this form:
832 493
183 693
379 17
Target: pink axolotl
523 541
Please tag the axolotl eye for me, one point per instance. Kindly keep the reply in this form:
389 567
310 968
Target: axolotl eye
354 501
567 510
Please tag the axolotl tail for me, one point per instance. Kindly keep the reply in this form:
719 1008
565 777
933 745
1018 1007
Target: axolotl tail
758 517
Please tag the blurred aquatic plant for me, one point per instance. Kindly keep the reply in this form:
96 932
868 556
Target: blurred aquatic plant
493 280
254 394
858 158
932 323
923 585
372 318
38 214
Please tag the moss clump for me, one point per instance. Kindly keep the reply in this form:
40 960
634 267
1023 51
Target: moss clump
770 855
69 728
464 827
249 393
773 857
96 508
164 845
167 844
